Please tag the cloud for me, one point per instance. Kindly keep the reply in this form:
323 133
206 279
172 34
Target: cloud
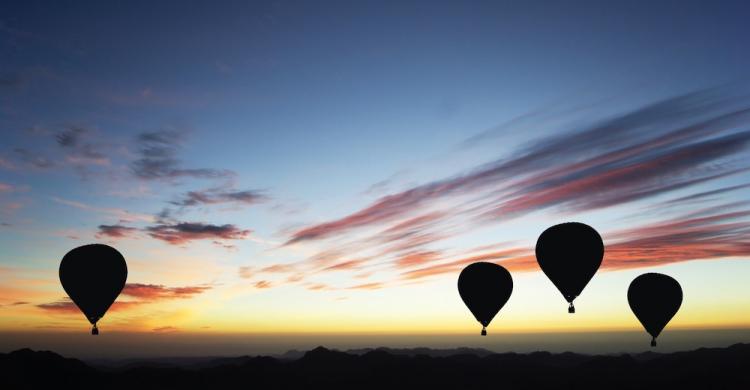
120 214
81 152
367 286
346 265
665 146
5 188
32 159
158 158
151 292
518 257
166 329
184 232
218 196
143 294
7 165
712 236
70 137
416 258
115 231
246 272
705 194
263 284
318 287
279 268
70 308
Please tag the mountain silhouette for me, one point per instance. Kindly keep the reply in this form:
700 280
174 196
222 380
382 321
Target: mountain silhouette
382 368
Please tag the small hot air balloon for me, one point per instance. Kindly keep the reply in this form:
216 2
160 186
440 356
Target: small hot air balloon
654 299
485 288
93 276
570 254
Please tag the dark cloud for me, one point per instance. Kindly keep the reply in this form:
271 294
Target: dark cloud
184 232
218 196
70 137
115 231
158 158
80 150
35 160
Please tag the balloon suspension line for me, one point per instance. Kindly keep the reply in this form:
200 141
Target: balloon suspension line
94 330
484 331
571 308
653 341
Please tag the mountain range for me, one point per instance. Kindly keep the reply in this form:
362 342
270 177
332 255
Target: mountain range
385 368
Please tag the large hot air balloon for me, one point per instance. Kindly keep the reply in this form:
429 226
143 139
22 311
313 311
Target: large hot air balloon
485 288
93 276
570 254
654 299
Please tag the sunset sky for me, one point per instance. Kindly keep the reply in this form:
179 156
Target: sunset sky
311 168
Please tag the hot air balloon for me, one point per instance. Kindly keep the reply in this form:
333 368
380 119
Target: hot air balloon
485 288
570 254
93 276
654 299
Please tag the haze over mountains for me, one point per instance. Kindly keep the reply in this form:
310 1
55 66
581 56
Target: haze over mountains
705 368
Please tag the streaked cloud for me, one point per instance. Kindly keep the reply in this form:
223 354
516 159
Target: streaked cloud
665 146
184 232
120 214
152 292
158 160
668 146
115 231
219 196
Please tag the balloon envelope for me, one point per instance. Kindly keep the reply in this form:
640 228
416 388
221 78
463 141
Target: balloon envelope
93 276
485 288
655 299
570 254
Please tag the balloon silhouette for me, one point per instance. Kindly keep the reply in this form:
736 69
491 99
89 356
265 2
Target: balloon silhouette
93 276
570 254
485 288
654 299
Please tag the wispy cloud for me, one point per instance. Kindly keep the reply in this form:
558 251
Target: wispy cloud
120 214
115 231
261 284
32 159
79 151
668 145
184 232
664 147
70 308
166 329
141 293
158 160
219 196
152 292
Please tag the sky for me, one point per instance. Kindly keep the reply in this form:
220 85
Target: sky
310 170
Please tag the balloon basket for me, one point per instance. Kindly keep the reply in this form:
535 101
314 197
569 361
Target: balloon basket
94 330
571 309
484 332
